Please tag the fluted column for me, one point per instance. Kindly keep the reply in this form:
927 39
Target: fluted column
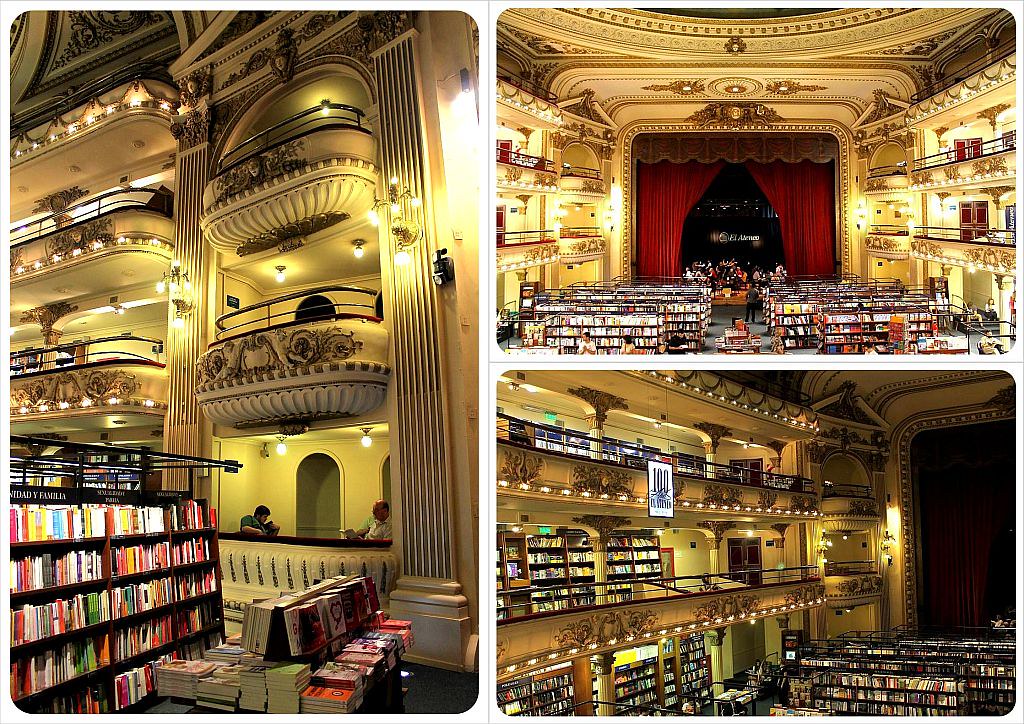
595 425
185 428
714 641
428 591
604 667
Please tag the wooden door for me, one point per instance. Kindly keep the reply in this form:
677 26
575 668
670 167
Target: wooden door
752 469
499 224
973 219
965 148
745 558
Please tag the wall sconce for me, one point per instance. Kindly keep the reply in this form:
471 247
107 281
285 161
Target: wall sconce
178 287
861 214
406 232
823 545
888 541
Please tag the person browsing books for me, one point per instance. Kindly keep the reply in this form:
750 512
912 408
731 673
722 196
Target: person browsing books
259 523
377 526
587 345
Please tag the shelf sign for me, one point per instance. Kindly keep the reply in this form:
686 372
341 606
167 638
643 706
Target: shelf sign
233 302
44 495
660 491
110 496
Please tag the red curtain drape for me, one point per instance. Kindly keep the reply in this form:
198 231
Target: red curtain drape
803 195
666 193
959 524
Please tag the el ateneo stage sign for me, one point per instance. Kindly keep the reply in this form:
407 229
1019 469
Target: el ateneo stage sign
660 490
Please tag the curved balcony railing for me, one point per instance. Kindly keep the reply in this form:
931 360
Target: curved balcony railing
526 238
964 73
154 200
524 160
897 169
1006 142
994 237
318 118
269 315
559 441
845 490
579 232
889 230
574 598
77 355
580 172
851 568
534 89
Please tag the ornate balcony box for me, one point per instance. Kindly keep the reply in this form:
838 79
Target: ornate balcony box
96 238
848 590
295 372
282 196
894 184
997 168
887 247
581 189
999 259
519 108
522 256
849 514
84 397
253 569
580 249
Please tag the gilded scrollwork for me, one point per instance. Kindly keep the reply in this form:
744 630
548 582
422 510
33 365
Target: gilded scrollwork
726 608
605 629
78 237
721 495
599 481
861 586
71 387
275 351
265 167
734 115
521 468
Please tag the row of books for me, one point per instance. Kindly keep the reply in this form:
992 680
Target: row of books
60 522
191 550
133 685
195 583
47 570
192 515
196 618
126 560
144 596
47 668
34 622
143 636
131 520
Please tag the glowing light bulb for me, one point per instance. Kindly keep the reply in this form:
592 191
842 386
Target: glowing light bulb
374 218
279 277
160 287
178 323
366 440
281 448
358 252
402 257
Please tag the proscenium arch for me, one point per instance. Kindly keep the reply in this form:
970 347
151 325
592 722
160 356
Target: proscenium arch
270 94
844 190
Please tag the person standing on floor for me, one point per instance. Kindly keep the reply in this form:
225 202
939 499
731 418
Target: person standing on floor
753 301
587 345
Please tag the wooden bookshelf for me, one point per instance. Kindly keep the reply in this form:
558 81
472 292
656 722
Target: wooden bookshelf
546 693
636 684
97 685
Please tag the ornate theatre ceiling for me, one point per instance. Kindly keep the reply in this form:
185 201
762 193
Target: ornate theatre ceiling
653 65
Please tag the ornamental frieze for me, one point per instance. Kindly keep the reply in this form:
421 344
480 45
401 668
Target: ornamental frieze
71 387
734 115
265 167
766 499
600 481
862 586
865 508
291 236
991 166
593 245
805 596
721 495
726 608
606 629
521 468
79 237
679 87
275 350
1002 259
803 502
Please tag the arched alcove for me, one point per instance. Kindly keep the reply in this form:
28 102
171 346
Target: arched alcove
385 479
888 155
841 469
313 307
318 497
581 156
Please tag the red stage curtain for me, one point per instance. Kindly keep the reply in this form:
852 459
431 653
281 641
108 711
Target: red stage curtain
666 193
803 195
959 525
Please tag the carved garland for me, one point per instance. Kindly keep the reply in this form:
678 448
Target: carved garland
275 350
72 387
600 481
521 468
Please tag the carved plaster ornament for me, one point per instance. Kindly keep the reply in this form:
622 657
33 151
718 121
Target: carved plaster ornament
679 87
521 468
59 202
734 115
715 431
600 481
603 524
602 402
46 316
718 529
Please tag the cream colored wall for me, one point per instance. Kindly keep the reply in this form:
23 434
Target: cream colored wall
862 618
271 481
688 561
589 271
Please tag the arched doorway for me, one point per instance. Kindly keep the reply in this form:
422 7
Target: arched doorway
313 307
318 497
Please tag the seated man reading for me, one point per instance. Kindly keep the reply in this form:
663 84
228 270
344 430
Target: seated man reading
259 523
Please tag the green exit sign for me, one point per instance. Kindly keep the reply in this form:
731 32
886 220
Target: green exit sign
544 529
550 416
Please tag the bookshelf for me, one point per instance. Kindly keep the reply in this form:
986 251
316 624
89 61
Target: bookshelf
116 595
606 331
894 329
546 693
580 554
668 674
887 695
636 684
694 677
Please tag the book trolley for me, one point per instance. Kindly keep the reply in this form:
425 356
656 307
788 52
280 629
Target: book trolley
106 582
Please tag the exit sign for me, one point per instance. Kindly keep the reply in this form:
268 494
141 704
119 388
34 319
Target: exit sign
544 529
550 416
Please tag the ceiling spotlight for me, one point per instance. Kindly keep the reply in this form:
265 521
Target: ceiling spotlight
366 440
358 251
281 447
279 277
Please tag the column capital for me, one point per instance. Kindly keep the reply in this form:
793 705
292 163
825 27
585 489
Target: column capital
718 530
604 525
46 317
602 402
782 621
715 431
715 637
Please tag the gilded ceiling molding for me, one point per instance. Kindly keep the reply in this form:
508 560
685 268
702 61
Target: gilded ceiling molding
679 87
734 116
843 202
790 87
903 438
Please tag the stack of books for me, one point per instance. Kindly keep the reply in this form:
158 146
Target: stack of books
221 690
342 676
252 682
398 626
227 653
305 628
327 700
285 682
181 678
